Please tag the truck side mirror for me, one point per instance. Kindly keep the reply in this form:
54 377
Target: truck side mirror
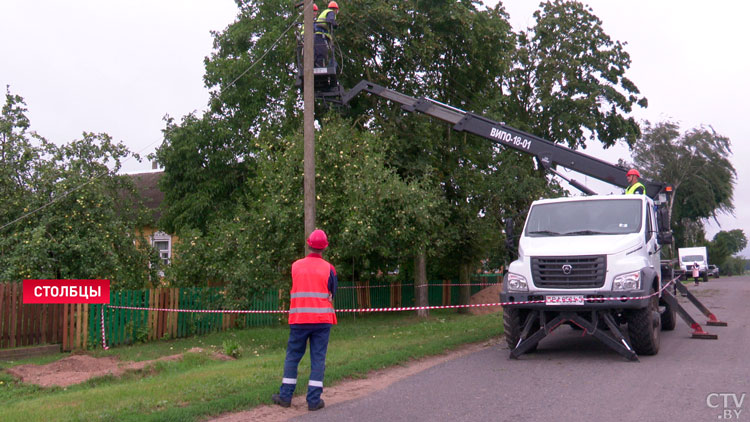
664 238
662 219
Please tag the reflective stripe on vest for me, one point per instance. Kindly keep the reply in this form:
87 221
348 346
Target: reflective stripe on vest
308 294
321 26
631 189
311 310
310 303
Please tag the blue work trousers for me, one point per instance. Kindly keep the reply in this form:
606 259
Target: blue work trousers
294 351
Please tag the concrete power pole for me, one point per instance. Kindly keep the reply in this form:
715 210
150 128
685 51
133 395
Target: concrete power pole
309 119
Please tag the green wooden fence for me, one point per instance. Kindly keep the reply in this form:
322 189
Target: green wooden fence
131 326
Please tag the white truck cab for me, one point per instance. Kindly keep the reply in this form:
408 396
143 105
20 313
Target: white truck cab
582 254
593 246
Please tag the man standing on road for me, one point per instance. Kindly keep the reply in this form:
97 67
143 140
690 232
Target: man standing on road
696 272
311 316
634 186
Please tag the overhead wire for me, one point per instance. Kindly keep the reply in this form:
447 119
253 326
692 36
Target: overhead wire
95 177
273 46
464 98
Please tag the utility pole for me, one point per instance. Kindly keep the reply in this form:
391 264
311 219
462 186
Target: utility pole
309 119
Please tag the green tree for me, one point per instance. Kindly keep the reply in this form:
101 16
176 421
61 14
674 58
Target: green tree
366 208
569 79
697 166
67 214
434 49
735 265
724 245
205 168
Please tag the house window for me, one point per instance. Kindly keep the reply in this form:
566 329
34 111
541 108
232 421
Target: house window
162 242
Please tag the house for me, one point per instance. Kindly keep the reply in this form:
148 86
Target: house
147 189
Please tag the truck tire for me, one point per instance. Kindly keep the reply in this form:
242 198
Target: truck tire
668 318
705 277
513 320
644 328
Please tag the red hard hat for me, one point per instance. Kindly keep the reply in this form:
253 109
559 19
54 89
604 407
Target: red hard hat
633 172
318 239
315 7
333 5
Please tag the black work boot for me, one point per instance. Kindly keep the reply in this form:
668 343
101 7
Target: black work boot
321 404
281 402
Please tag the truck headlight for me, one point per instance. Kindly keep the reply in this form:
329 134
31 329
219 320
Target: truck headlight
627 281
517 283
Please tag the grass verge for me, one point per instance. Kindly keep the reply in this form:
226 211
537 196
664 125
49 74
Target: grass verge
197 386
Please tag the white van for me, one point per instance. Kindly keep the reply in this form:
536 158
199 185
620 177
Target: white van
694 256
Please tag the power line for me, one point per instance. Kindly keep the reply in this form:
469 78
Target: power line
93 178
65 194
294 21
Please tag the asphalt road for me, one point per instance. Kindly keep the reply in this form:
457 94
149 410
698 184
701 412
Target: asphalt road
575 378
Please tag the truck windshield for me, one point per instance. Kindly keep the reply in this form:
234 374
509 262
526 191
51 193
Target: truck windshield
584 218
692 258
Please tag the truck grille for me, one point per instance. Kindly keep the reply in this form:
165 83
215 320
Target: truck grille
569 272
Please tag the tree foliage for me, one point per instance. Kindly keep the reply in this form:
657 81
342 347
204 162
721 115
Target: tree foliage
696 164
370 213
568 82
724 245
66 214
390 185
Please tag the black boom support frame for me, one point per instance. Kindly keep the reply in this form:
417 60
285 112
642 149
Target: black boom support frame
548 154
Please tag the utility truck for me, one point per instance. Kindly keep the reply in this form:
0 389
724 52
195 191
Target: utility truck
592 262
690 257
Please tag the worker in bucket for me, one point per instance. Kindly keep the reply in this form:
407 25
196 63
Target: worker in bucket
311 316
634 186
315 10
324 26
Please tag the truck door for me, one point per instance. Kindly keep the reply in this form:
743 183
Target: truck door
651 241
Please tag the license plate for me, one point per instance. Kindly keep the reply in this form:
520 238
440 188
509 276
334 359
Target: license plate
564 300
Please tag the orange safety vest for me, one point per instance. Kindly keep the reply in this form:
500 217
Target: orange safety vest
310 299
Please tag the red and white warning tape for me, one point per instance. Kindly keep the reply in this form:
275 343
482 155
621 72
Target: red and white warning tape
395 309
419 285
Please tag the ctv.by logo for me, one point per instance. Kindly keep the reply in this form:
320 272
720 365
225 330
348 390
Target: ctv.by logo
730 404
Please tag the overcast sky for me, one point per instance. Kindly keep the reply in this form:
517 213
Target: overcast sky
120 67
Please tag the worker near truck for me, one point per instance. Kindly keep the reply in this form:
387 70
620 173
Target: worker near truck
696 272
634 186
324 25
311 316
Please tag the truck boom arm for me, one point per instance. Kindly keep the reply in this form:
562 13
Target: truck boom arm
547 153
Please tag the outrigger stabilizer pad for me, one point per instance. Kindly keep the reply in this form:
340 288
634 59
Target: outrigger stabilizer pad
699 333
712 320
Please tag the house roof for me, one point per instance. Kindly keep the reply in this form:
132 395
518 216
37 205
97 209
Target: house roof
147 189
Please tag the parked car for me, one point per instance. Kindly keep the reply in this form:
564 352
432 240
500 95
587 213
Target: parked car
713 271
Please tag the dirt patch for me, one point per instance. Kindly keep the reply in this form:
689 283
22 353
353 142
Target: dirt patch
350 390
489 294
80 368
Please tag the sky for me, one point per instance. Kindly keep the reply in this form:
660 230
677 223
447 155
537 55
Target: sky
121 67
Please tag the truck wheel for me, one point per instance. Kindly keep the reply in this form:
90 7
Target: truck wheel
668 318
705 277
513 322
644 328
